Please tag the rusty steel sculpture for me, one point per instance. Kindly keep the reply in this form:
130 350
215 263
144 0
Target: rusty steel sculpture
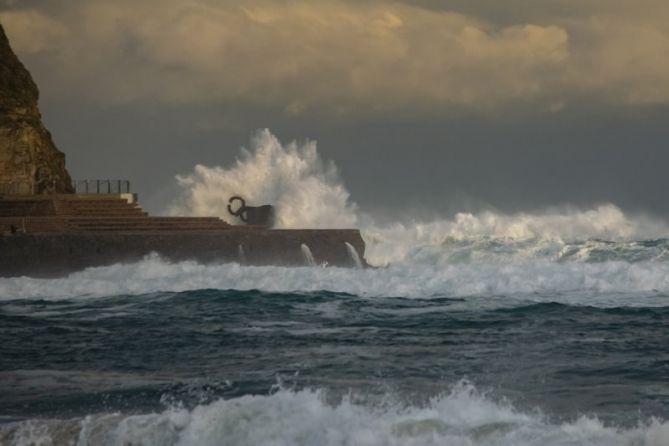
252 215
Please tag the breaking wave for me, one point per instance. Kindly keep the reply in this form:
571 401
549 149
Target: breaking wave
568 254
305 417
306 191
611 283
604 232
598 257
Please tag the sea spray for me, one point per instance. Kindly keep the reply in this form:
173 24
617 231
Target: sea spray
306 191
538 234
353 254
596 256
557 312
308 256
241 254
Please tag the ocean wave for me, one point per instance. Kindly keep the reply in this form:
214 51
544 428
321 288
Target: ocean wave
567 254
306 191
613 283
309 193
507 237
464 416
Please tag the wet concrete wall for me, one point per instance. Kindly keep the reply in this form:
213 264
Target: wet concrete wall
53 255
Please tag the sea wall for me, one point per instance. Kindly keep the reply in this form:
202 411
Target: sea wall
53 255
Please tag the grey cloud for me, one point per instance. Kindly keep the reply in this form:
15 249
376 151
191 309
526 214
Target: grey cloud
349 57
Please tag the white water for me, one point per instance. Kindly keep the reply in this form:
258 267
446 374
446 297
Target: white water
308 256
559 254
462 416
493 260
353 254
307 192
534 280
241 255
527 234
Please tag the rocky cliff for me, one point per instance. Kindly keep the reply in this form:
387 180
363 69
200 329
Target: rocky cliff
30 163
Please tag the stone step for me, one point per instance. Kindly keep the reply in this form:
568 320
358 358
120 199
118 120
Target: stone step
119 202
85 207
147 222
26 208
103 213
43 215
145 219
33 225
147 226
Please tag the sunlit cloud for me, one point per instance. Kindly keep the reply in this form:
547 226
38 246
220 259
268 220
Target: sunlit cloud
345 57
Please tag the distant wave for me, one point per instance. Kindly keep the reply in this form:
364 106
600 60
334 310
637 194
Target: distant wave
555 234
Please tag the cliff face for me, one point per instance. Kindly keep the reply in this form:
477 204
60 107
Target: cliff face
30 163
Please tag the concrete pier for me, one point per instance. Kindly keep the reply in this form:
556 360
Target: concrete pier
55 255
55 235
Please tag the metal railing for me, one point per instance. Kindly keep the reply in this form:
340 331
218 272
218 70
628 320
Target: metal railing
101 186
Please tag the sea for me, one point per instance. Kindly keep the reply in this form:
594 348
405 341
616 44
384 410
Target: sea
543 328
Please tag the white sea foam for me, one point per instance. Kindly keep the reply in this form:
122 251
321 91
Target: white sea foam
525 234
535 280
306 191
564 254
309 193
462 417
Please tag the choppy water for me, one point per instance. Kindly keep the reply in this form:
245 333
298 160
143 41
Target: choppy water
544 329
489 342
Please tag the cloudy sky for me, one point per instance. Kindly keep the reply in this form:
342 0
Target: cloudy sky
446 105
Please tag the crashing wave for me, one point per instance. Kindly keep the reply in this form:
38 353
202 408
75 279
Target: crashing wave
462 417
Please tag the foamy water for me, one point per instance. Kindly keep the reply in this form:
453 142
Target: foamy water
461 417
306 191
617 283
599 256
559 313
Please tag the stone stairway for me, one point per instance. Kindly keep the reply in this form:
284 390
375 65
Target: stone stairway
110 224
33 225
92 213
97 208
26 208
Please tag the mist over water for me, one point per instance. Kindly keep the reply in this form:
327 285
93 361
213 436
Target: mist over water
307 192
538 328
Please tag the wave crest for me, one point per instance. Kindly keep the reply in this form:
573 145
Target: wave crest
462 417
306 191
